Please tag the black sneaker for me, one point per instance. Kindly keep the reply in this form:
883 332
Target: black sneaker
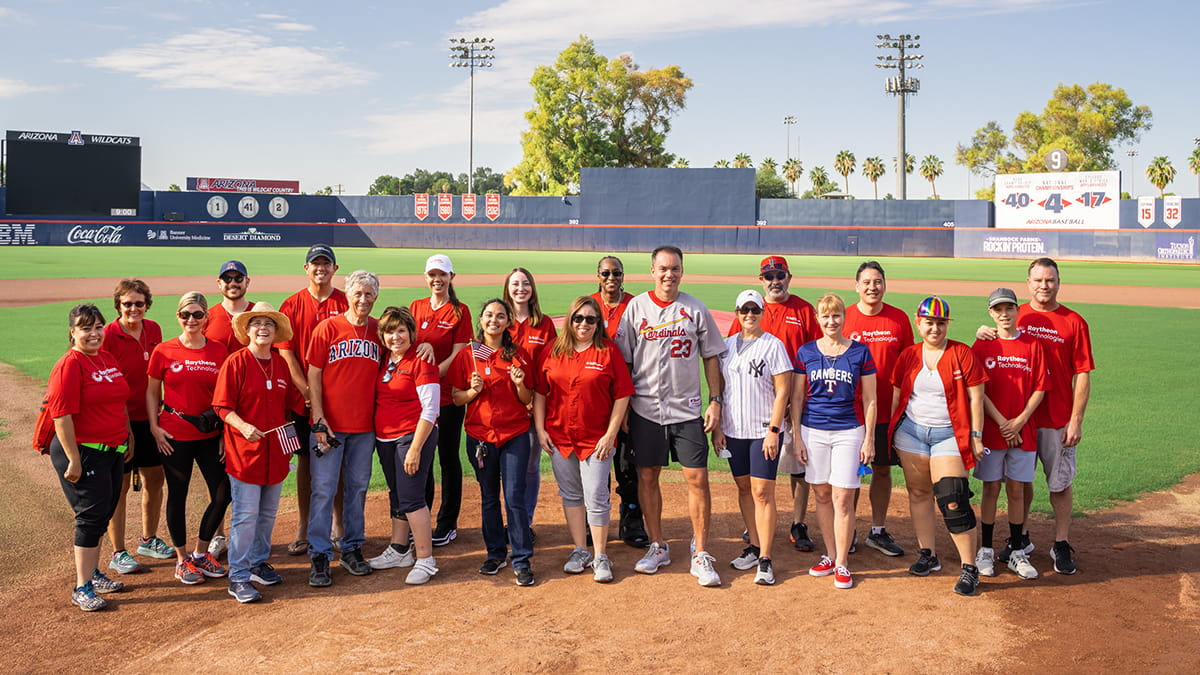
884 543
1060 553
442 537
799 537
926 563
353 562
1002 554
264 574
854 543
524 576
745 536
968 580
632 529
492 565
319 575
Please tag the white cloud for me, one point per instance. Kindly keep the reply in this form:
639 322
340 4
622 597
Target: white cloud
271 17
236 60
400 133
14 88
293 26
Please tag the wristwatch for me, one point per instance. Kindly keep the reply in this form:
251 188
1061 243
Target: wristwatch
717 399
976 434
773 429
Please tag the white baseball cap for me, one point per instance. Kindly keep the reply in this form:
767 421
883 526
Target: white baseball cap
749 295
439 262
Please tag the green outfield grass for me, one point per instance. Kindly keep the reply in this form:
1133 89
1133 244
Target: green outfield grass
1139 435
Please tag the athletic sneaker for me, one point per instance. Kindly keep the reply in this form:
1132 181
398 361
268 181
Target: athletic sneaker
421 573
926 563
692 547
577 561
442 537
124 563
841 578
702 569
985 560
799 537
87 600
187 573
747 560
746 536
656 556
602 569
765 576
1002 554
491 566
209 566
244 591
1061 555
103 584
392 558
884 543
319 576
352 562
218 545
264 574
968 580
854 543
524 576
1019 563
155 547
823 568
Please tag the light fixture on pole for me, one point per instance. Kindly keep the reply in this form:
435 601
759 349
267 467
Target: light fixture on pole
901 86
788 122
1132 175
473 53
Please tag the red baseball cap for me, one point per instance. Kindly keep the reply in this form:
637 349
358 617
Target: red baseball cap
774 263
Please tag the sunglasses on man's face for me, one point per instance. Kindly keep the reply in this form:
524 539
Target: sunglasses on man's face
233 279
129 305
749 309
774 276
611 273
589 319
197 315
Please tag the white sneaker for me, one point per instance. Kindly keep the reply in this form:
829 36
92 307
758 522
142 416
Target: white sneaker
1018 561
748 560
392 558
703 570
602 569
420 573
218 545
656 556
985 560
578 561
765 576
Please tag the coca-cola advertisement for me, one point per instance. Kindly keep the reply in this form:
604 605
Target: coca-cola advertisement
95 235
252 185
445 205
468 206
421 205
492 206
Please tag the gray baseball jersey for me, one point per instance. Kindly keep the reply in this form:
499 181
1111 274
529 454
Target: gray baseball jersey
750 384
665 346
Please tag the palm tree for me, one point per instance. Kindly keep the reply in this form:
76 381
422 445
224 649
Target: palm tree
1160 172
721 164
680 163
844 164
742 161
873 169
768 165
793 171
931 169
820 181
910 163
1194 163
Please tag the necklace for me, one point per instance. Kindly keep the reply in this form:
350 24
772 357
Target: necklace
97 371
355 328
269 377
141 340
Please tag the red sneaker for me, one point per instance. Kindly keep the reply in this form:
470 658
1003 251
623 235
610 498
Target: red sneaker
841 578
823 568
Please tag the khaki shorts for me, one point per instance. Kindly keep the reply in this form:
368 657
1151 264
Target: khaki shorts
787 459
1058 462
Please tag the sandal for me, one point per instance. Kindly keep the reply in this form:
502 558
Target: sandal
298 547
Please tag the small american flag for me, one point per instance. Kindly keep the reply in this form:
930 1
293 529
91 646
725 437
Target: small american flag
289 440
481 351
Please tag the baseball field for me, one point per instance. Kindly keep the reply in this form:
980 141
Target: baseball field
1134 605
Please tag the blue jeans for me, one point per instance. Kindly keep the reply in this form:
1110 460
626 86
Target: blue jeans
351 462
507 465
250 526
533 481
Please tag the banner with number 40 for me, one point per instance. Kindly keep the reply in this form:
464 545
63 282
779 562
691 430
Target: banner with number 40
1084 200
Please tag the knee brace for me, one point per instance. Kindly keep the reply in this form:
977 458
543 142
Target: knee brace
955 490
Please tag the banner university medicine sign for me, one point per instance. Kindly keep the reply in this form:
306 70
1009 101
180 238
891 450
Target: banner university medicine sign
1086 200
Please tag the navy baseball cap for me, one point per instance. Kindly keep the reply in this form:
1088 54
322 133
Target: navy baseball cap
233 266
319 250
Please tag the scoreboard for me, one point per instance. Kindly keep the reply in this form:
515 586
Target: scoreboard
72 174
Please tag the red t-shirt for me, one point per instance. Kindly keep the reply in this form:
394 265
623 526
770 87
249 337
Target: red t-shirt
959 369
397 407
442 330
188 378
304 312
535 340
93 390
349 358
220 328
496 416
242 387
886 334
1016 368
612 315
132 357
580 390
1068 344
794 321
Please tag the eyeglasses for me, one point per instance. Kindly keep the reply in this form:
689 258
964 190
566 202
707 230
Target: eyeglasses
262 324
233 279
774 276
611 273
197 315
589 319
139 304
749 309
387 377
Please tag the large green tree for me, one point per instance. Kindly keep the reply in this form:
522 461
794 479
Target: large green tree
844 164
874 169
931 170
423 180
769 185
592 111
1160 172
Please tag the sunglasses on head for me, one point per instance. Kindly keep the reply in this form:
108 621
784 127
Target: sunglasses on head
197 315
233 279
774 276
589 319
611 273
749 309
139 304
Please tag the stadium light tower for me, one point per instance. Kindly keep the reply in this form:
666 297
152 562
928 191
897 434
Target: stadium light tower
1132 174
473 53
788 122
900 86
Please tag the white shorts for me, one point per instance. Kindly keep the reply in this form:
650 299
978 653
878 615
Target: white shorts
833 456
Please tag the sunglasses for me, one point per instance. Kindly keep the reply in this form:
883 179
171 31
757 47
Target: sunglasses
197 315
233 279
611 273
749 309
387 376
589 319
139 304
774 276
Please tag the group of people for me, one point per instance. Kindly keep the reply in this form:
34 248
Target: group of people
826 394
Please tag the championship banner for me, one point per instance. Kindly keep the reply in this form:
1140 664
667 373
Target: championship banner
421 205
445 205
1069 201
1146 211
492 206
1173 211
468 206
253 185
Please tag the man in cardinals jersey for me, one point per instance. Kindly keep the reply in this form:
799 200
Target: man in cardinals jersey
665 335
233 281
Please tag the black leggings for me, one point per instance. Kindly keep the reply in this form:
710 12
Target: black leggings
94 496
177 467
450 426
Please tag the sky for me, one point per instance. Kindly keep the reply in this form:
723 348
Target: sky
339 93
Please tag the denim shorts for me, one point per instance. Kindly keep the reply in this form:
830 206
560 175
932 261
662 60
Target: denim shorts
928 441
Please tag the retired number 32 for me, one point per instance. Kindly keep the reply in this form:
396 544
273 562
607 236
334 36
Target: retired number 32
681 349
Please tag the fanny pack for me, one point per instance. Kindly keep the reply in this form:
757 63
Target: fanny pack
206 422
